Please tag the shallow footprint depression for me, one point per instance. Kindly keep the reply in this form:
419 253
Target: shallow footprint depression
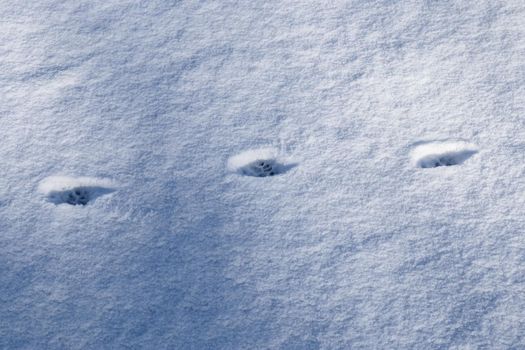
74 191
442 153
258 163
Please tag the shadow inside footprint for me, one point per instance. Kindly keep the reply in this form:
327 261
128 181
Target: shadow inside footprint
78 195
438 154
449 159
74 190
267 167
262 162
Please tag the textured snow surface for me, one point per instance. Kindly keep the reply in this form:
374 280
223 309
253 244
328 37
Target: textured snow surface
354 246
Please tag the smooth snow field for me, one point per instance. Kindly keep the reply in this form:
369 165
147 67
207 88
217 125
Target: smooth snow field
262 174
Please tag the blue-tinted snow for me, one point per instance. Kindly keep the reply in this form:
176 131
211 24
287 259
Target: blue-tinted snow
354 247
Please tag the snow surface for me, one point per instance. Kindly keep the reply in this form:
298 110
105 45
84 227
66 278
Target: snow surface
352 248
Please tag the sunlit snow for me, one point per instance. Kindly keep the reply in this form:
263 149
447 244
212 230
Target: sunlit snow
262 175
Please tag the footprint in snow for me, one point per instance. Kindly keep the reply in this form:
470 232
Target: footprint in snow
258 162
442 153
74 191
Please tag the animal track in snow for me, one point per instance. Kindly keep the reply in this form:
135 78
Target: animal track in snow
442 153
74 191
258 162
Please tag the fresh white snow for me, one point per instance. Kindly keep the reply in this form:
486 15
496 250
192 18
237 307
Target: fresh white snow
352 246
